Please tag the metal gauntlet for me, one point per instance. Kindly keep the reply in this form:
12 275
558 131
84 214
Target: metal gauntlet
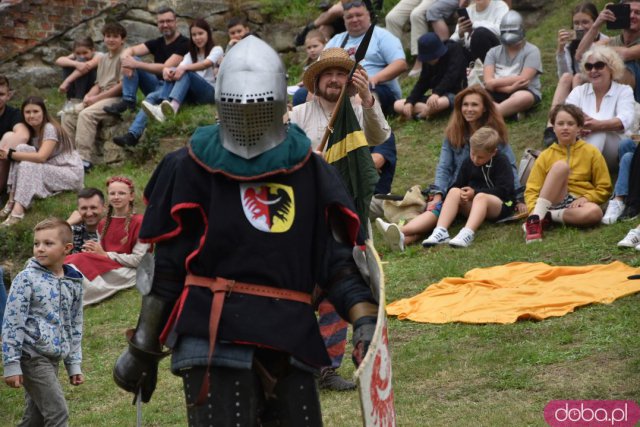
137 367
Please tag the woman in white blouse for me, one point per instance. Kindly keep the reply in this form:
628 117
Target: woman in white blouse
608 105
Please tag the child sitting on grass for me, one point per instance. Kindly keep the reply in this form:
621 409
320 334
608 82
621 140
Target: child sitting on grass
482 190
43 324
569 180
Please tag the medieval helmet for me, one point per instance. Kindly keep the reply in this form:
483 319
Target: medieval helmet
251 95
511 28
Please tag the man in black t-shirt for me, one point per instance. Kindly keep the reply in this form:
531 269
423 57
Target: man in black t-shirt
167 51
90 211
10 134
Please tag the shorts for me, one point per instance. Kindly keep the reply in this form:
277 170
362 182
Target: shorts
500 97
506 211
441 10
568 199
450 97
437 209
386 98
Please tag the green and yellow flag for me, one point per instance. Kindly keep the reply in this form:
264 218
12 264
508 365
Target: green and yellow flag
348 151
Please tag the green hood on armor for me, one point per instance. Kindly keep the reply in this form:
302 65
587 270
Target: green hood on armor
206 148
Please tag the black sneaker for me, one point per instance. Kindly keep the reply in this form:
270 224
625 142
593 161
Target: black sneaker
549 137
126 140
629 213
331 380
299 40
120 107
87 166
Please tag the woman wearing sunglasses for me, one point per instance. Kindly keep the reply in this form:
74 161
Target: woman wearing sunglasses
608 106
608 117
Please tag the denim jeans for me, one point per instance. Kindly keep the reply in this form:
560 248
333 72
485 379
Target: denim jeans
192 88
634 68
156 97
625 154
146 81
300 97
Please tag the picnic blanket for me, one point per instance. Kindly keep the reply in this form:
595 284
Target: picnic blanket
519 290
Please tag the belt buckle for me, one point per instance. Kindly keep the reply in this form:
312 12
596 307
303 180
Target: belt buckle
230 284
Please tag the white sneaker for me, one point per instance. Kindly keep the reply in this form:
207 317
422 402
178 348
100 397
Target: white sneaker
614 210
392 234
153 111
463 239
167 109
439 236
631 240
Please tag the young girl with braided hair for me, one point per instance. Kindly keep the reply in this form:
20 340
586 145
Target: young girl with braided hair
109 265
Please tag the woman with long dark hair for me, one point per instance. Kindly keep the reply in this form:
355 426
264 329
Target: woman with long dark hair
473 108
195 78
49 165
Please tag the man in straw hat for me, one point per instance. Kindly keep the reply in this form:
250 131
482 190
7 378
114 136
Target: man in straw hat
225 295
325 79
385 59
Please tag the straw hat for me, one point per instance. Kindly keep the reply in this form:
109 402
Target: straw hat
333 57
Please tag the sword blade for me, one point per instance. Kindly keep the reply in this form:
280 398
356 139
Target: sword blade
139 408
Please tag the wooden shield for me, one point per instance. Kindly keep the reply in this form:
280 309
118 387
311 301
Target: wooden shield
373 376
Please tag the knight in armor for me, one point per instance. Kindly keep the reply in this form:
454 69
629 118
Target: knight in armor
246 220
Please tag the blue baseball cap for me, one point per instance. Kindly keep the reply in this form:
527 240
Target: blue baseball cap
430 47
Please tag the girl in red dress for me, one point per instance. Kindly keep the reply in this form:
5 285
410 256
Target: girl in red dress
109 265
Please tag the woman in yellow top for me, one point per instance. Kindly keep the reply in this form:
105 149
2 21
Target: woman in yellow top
569 180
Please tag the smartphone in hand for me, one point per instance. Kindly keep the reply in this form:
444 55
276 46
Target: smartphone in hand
462 13
623 16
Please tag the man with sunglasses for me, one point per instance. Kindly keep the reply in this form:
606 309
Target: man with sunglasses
626 44
167 51
384 60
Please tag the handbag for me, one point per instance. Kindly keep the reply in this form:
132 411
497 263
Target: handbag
526 164
411 205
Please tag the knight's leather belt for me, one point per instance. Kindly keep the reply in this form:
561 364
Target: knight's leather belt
221 287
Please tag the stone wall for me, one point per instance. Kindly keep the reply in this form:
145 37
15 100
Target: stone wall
33 33
28 23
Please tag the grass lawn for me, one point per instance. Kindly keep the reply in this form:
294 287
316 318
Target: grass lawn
451 374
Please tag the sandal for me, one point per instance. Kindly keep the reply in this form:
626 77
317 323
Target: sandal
6 210
12 220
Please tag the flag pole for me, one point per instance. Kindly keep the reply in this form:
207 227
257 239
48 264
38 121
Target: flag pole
359 56
329 130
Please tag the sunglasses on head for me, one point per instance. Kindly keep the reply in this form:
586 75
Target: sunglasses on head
351 4
597 65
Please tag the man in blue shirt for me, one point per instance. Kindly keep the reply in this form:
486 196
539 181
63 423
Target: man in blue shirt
384 60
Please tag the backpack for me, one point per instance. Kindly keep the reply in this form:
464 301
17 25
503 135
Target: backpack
526 164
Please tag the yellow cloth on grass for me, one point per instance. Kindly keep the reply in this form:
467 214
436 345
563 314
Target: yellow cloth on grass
519 290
